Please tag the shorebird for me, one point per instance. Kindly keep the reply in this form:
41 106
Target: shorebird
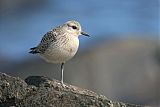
60 44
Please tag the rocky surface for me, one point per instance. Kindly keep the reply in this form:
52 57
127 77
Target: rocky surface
39 91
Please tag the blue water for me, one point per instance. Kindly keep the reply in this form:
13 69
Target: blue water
22 27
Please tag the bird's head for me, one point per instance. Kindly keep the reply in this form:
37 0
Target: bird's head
74 28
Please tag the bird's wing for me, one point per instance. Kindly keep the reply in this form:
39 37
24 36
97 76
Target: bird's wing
47 39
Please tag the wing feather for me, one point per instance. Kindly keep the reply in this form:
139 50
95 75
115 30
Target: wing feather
47 39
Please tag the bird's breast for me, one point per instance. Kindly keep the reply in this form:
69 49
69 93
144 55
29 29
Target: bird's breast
62 50
72 45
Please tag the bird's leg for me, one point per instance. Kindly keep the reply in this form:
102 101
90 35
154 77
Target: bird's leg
62 69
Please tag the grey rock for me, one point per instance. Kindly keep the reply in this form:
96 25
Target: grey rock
39 91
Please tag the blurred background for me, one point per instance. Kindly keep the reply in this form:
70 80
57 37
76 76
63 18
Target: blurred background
120 60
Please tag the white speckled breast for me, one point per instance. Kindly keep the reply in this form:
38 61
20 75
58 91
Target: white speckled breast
61 51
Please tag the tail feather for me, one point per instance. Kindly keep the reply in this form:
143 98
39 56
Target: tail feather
34 50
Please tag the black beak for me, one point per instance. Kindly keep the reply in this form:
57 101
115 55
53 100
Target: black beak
85 34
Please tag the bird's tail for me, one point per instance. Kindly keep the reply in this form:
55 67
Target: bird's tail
34 50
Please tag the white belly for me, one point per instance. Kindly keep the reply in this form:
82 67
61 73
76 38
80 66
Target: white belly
61 53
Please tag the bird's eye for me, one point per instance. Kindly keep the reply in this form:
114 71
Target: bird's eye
74 27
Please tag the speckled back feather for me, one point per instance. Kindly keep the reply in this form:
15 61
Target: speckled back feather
48 38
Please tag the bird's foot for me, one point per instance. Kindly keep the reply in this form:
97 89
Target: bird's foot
63 85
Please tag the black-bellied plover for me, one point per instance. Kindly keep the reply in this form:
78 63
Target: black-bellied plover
60 44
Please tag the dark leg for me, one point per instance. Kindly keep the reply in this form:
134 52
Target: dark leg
62 69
